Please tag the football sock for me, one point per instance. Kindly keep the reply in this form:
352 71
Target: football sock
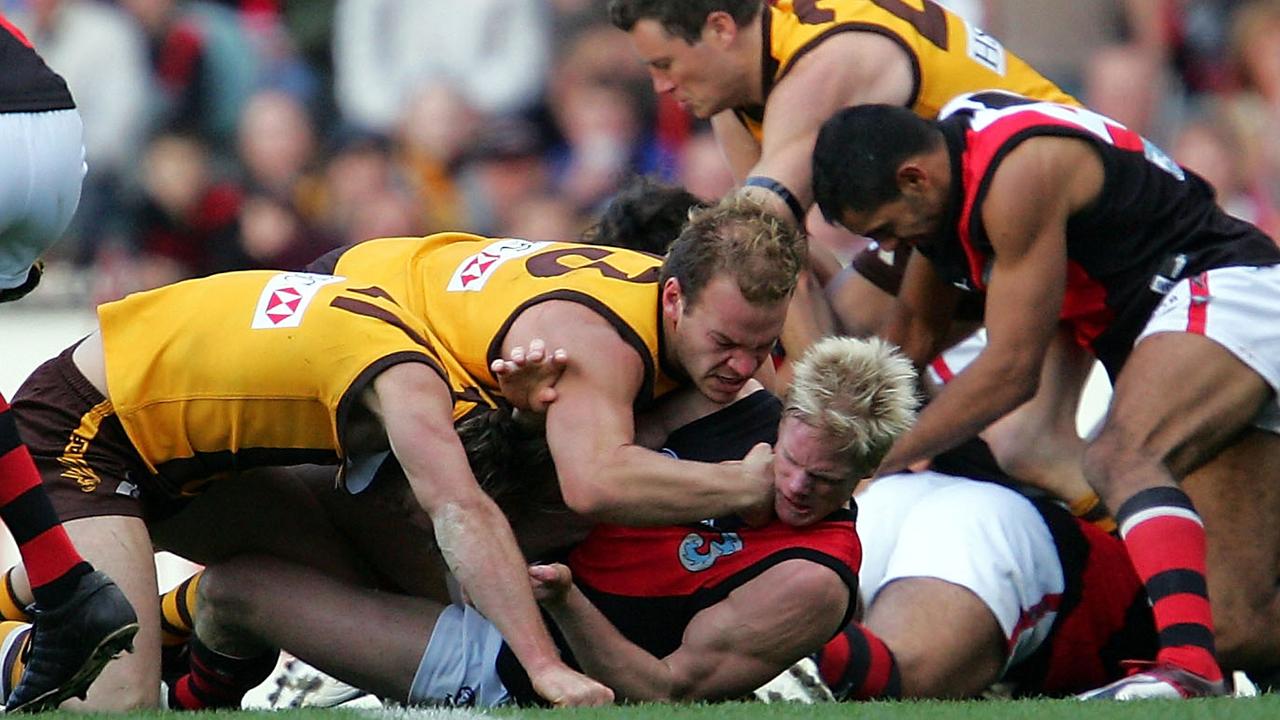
1166 542
11 606
53 565
217 680
1090 509
857 665
15 636
178 611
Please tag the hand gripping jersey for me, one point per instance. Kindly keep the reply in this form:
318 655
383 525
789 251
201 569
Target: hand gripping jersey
1154 223
948 55
26 83
469 289
250 368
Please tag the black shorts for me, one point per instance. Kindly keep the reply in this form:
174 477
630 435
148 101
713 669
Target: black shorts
86 461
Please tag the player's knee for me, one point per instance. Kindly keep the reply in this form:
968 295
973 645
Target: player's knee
225 601
1247 628
1116 466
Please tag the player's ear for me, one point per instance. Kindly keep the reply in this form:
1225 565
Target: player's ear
672 298
911 176
720 28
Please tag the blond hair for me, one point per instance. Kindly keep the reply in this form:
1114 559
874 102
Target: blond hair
762 252
858 393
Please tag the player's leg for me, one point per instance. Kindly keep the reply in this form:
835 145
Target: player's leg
1238 498
368 638
946 641
41 169
1183 395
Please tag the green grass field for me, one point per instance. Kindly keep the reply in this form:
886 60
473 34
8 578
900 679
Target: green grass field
1260 708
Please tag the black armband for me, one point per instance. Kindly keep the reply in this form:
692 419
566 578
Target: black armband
781 191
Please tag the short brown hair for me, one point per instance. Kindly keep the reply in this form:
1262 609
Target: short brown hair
858 393
763 252
681 18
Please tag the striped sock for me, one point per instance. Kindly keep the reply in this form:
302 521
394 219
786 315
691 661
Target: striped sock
52 562
11 606
178 610
15 641
1166 542
217 680
857 665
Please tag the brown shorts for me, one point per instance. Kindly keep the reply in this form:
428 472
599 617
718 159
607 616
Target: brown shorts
88 465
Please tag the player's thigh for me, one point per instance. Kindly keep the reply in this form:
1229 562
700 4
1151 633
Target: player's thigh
273 511
1238 495
120 546
944 637
1180 398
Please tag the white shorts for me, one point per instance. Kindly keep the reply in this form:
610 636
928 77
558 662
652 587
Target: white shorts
41 168
954 359
1237 307
459 667
977 535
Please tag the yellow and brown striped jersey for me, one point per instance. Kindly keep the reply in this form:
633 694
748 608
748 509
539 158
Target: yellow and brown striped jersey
949 56
249 369
469 289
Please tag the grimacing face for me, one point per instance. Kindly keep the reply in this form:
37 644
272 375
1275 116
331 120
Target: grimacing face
810 479
721 340
693 74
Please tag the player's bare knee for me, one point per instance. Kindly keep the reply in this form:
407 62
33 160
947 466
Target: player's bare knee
225 599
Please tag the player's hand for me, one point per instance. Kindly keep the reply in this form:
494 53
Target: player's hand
527 378
757 470
892 464
551 582
563 687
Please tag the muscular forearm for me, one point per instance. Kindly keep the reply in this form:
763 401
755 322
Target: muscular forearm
478 545
977 397
635 486
604 654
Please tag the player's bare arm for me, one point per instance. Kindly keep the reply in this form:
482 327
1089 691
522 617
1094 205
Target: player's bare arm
728 649
851 68
473 535
920 317
1034 192
740 149
591 433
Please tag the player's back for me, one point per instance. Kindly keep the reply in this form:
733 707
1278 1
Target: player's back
470 289
949 55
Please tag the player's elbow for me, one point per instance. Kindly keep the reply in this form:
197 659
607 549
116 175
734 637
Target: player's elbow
588 495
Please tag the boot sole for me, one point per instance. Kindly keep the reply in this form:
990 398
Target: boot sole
111 647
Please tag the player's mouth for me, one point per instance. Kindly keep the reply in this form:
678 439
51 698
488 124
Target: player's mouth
729 384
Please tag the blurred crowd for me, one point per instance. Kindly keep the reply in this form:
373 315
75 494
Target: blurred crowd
228 134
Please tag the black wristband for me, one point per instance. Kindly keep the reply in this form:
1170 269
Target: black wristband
781 191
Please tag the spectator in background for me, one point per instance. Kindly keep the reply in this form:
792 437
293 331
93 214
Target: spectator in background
495 53
434 133
187 224
284 197
1253 110
504 165
1209 148
101 53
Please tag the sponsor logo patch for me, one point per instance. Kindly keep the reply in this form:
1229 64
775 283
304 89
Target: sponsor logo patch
697 552
285 299
475 271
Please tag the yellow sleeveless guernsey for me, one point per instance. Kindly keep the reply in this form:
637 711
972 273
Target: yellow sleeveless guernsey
250 369
948 55
469 289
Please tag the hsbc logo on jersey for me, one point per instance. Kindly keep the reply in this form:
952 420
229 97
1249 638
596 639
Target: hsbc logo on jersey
475 271
285 299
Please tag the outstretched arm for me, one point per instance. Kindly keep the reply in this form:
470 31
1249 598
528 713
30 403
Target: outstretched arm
728 649
472 533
